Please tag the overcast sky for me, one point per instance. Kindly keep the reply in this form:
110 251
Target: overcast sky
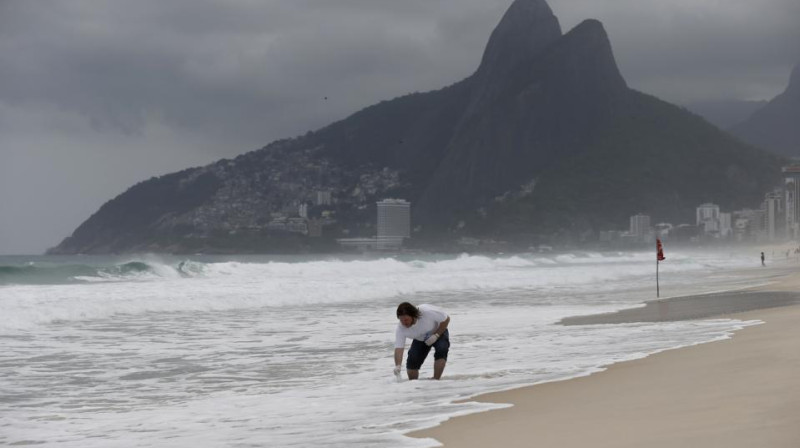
98 95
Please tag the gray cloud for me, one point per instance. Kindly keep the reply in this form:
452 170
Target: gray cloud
97 95
684 51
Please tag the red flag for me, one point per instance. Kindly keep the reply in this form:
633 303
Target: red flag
659 251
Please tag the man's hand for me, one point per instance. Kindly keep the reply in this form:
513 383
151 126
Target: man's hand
397 370
432 339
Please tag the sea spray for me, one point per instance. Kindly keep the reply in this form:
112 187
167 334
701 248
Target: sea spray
208 351
174 285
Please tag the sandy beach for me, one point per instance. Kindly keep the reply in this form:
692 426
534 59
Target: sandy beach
740 392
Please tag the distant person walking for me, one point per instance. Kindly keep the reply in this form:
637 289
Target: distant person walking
426 325
762 259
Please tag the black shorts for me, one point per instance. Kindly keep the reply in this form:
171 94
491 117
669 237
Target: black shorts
419 351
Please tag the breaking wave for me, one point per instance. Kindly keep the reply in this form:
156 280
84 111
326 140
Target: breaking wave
45 273
42 293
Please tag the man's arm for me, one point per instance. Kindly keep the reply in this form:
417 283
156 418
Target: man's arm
398 356
442 327
438 332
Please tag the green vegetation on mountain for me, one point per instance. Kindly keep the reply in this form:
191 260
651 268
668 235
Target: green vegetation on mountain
545 140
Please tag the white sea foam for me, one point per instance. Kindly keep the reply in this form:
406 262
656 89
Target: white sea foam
206 353
197 286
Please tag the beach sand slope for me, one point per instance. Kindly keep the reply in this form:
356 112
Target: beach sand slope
740 392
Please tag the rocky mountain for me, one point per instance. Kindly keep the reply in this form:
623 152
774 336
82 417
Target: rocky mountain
544 140
776 126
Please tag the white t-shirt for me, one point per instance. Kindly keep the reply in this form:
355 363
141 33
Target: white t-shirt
429 319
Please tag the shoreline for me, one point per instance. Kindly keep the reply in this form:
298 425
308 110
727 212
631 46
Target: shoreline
739 392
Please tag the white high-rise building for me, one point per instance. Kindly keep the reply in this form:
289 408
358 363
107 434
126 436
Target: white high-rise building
640 226
708 217
773 215
394 222
725 225
791 195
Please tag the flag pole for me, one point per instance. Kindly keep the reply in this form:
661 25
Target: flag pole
658 291
659 258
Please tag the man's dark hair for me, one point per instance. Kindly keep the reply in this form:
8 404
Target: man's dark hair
407 309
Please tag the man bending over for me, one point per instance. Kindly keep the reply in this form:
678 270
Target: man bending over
426 325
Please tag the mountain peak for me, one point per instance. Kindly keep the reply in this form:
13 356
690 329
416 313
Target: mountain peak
527 27
587 58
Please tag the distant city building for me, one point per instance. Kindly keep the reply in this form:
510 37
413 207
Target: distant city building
685 232
747 224
662 229
302 210
714 223
791 190
725 225
358 243
640 226
741 229
708 218
774 215
323 197
394 222
296 225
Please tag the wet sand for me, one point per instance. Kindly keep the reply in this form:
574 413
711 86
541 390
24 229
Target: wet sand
693 307
741 392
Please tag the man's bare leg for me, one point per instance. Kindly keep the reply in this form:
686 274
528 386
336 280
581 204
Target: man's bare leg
438 368
412 374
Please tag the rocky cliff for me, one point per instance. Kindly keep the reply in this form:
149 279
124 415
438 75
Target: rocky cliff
544 138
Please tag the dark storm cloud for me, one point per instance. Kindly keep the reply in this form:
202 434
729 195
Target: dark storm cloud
261 70
693 50
117 91
256 70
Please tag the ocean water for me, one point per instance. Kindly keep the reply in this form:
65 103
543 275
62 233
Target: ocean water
201 351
